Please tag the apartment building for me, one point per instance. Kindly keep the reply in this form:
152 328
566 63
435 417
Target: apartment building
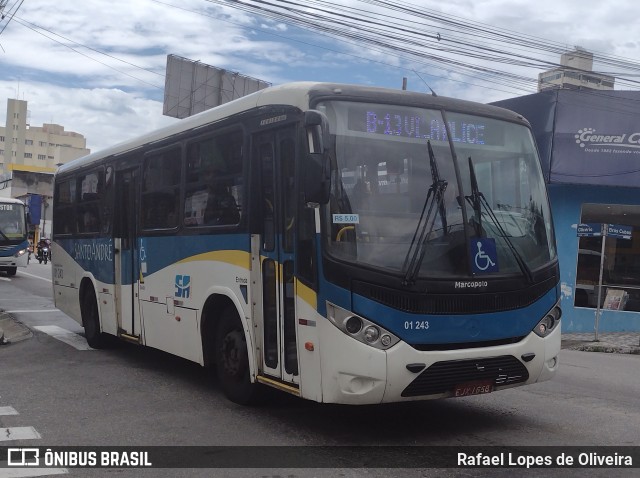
36 149
576 73
29 157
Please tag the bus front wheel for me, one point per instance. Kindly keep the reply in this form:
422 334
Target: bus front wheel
232 361
91 321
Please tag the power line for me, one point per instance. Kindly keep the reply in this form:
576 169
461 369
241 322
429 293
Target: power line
463 39
37 29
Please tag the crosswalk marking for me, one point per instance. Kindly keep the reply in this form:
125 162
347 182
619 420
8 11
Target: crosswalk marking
8 411
28 472
21 433
18 433
65 336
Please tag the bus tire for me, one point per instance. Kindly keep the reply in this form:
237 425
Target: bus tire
91 321
232 360
11 271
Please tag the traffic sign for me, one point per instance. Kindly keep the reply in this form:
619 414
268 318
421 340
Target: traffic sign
589 230
619 231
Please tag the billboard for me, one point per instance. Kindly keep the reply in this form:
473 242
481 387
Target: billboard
585 136
192 87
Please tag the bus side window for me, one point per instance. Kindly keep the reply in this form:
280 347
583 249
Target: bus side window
161 189
214 181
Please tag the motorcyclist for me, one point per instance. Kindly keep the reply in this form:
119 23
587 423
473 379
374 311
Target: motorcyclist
42 243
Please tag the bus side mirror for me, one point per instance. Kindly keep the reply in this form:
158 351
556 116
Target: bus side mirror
317 167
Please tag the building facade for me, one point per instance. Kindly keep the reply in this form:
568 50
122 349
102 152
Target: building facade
29 157
576 73
589 143
35 148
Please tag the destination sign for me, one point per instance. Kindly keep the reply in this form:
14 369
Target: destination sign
417 123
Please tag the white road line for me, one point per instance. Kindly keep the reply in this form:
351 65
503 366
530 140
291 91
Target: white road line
6 279
34 276
28 472
18 433
8 411
34 311
65 336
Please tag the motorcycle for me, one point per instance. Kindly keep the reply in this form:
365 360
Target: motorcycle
43 254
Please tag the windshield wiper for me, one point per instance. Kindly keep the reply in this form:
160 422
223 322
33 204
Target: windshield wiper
477 201
433 202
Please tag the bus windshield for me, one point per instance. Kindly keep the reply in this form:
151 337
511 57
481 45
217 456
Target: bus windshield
396 183
12 222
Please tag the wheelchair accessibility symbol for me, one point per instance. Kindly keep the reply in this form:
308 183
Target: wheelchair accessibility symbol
485 257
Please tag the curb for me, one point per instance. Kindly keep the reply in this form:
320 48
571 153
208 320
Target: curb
602 347
11 330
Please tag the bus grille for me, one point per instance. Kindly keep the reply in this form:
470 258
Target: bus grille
449 304
442 377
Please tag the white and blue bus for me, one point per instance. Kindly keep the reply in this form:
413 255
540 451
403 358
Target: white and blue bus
345 244
13 235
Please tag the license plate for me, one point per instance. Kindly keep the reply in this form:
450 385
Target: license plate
473 388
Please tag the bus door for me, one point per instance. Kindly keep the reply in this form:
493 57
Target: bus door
275 151
126 261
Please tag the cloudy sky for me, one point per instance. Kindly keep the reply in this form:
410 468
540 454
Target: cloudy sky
97 66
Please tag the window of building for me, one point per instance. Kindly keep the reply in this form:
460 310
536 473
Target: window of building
620 264
161 189
28 142
1 139
28 155
214 181
1 152
42 143
42 156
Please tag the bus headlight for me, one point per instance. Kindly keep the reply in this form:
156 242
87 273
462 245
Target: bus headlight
549 322
21 252
361 329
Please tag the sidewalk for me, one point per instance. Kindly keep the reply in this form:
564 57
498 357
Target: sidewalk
609 342
11 330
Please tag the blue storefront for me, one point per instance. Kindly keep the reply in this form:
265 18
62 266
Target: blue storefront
589 144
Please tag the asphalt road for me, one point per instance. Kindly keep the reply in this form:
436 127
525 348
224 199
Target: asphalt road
130 396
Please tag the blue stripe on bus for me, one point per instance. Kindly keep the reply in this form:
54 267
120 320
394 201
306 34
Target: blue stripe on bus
96 255
436 329
10 250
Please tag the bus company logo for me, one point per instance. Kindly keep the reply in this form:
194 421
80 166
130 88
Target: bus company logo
275 119
587 137
183 286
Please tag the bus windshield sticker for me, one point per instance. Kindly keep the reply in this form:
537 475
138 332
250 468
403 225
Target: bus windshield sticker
346 218
485 257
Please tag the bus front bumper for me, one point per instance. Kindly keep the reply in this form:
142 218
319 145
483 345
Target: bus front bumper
355 373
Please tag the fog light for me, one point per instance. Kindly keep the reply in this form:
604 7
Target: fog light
353 325
371 334
385 340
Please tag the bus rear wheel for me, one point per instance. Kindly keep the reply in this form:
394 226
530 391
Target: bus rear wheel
91 321
232 361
